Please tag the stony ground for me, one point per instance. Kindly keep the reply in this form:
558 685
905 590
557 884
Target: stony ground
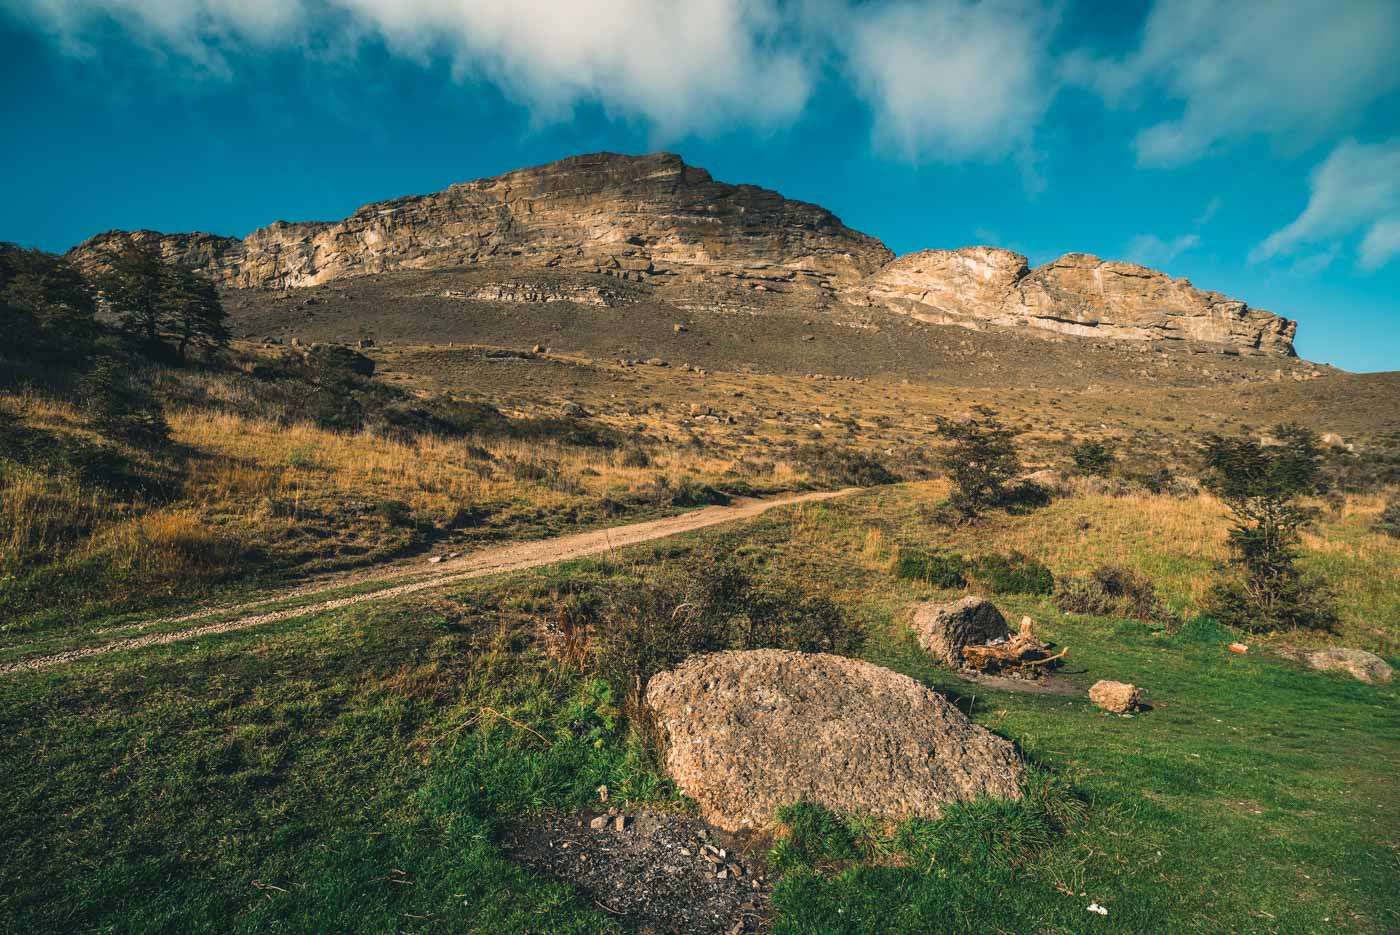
658 871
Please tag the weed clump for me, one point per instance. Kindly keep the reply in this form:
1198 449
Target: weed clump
1094 458
1388 523
844 467
1016 573
1111 591
938 569
710 602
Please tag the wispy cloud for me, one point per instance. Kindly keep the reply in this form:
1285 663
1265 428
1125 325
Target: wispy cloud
1355 189
1296 71
1151 250
950 80
680 66
945 79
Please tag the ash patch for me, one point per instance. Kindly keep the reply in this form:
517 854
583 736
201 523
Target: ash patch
656 871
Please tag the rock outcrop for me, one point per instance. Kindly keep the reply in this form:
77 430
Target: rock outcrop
944 629
654 220
1077 294
636 217
748 732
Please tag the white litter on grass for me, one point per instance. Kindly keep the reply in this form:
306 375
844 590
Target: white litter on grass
1101 910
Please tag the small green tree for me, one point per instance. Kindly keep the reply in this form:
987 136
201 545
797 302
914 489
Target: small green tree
46 308
1261 485
1093 457
191 312
162 304
131 289
980 460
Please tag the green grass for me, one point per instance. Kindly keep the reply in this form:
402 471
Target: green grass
349 772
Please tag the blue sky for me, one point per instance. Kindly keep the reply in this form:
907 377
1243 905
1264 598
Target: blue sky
1250 146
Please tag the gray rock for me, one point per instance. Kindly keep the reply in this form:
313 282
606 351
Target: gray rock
943 629
748 732
1358 663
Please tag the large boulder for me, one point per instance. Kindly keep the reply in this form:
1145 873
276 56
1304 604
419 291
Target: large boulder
944 629
748 732
1368 667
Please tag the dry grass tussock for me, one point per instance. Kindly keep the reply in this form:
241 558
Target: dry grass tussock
231 486
435 476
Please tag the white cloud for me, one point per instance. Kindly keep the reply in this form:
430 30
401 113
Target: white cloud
946 79
1296 70
681 66
951 79
1355 189
1151 250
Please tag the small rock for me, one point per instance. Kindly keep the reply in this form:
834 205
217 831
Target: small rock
602 793
599 823
435 559
1238 648
537 349
1118 697
621 822
679 328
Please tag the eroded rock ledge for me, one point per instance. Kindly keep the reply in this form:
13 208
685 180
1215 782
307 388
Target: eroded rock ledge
655 221
1077 294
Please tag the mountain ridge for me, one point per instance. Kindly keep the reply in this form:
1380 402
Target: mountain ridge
657 221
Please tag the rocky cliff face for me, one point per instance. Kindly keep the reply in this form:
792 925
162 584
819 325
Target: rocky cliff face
656 221
1077 294
638 218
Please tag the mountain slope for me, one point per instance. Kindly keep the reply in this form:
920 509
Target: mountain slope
703 245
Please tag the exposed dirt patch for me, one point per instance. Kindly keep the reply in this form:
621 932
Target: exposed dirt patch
660 873
1046 685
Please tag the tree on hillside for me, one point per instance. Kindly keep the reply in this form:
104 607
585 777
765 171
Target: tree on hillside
980 460
131 291
1261 486
46 308
160 303
192 313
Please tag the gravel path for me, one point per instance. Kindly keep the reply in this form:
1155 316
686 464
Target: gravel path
480 564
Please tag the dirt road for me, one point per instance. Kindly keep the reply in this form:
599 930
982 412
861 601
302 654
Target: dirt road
493 561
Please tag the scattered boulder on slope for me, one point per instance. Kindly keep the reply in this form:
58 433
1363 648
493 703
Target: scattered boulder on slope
746 732
944 629
1368 667
1118 697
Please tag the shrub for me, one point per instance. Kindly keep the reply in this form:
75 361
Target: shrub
710 603
939 569
124 407
1016 573
839 466
1111 591
395 512
635 457
980 461
1261 486
1388 523
1093 457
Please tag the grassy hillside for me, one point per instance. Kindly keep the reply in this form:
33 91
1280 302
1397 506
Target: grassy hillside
352 771
357 769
